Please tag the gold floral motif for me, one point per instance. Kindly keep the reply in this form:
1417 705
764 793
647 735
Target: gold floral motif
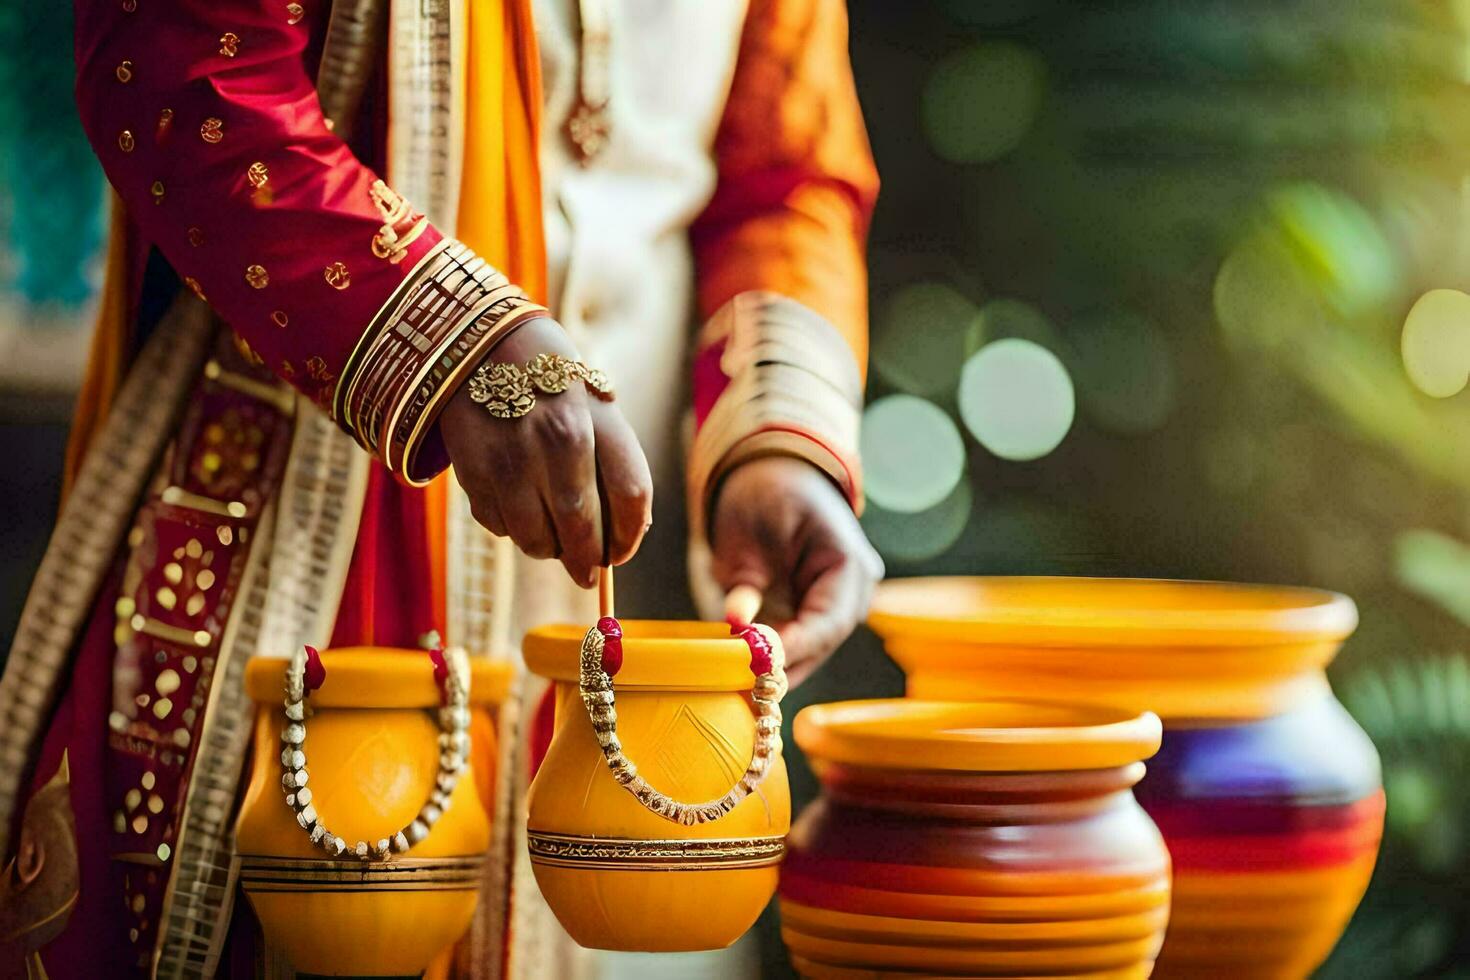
294 13
125 141
337 275
604 852
196 237
193 285
212 130
589 128
229 44
504 390
125 72
279 318
257 174
400 227
552 373
508 391
257 277
316 369
157 191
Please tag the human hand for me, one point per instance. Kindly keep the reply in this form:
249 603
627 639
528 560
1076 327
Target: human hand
567 480
780 526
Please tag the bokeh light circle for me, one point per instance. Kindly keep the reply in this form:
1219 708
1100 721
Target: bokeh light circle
979 103
921 340
1016 399
1435 344
921 536
912 454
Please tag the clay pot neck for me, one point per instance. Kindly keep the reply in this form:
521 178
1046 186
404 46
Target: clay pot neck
1188 651
979 797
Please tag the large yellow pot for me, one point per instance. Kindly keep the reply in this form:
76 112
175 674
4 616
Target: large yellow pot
617 875
374 752
1266 791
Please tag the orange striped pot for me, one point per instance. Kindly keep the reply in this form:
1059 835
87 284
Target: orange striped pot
1268 793
989 839
617 875
373 754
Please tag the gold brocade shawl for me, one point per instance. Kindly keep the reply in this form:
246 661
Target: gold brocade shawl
480 132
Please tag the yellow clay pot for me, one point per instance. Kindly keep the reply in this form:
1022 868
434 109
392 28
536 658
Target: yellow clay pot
617 875
372 752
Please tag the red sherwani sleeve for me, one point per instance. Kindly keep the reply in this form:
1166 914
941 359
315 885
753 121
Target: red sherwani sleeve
780 254
210 130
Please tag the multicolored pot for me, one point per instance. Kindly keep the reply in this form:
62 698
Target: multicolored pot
988 839
374 754
1267 792
617 875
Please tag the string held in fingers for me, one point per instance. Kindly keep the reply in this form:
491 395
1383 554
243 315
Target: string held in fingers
605 592
741 605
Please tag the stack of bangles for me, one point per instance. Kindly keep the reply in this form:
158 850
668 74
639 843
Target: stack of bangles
405 371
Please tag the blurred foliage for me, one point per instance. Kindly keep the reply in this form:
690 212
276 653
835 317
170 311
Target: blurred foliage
1217 215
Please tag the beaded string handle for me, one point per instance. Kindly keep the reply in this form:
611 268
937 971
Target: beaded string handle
602 655
305 674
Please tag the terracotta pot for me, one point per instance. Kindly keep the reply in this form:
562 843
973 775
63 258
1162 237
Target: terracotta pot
617 875
1267 792
986 839
373 752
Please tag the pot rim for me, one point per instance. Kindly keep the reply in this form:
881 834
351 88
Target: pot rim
1087 611
377 677
659 655
976 736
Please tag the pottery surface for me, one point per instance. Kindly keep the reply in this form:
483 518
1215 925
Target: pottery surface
985 839
616 875
372 746
1267 792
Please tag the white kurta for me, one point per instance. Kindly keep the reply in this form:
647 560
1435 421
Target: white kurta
621 280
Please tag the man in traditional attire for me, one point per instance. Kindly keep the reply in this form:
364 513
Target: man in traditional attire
293 349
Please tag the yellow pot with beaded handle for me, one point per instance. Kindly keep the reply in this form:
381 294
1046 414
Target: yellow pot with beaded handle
367 859
658 817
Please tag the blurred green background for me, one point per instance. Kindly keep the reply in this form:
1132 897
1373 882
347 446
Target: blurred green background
1159 288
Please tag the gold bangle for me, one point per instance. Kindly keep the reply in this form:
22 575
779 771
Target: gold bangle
508 391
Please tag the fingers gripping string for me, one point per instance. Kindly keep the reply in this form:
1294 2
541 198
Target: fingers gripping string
602 656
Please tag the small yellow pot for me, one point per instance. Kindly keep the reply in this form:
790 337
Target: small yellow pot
617 875
372 744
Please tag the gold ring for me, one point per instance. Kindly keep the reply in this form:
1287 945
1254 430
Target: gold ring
508 391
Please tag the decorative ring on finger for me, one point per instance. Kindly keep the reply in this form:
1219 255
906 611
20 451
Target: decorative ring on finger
508 391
